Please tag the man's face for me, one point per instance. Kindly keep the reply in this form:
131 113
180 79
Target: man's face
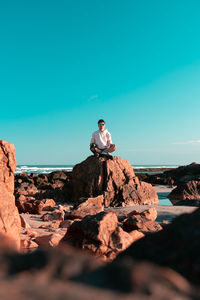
101 126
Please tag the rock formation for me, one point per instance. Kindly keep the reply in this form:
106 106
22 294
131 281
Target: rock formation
186 191
114 179
177 246
35 193
10 223
175 176
99 234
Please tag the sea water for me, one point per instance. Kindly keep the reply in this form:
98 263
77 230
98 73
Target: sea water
46 169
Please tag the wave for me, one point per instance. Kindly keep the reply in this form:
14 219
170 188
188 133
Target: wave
46 169
41 170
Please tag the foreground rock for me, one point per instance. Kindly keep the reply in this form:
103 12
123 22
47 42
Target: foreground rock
176 246
105 236
98 234
115 179
10 223
68 274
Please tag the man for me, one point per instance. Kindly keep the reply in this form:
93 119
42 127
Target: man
101 142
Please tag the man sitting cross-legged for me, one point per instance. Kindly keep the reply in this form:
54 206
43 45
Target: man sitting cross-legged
101 142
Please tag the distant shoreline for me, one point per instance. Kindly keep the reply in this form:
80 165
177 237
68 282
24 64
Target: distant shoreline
46 169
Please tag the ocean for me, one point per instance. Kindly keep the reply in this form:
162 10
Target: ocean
46 169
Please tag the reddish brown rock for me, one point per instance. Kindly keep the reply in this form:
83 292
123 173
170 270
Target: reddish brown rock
87 206
55 185
66 223
136 235
150 214
31 205
99 234
49 240
57 215
28 244
176 246
188 190
51 225
141 223
115 179
7 165
24 223
10 223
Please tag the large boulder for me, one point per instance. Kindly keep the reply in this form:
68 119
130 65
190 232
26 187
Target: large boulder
100 235
10 223
7 165
177 246
188 190
114 178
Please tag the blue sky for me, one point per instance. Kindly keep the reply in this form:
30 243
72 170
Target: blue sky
65 64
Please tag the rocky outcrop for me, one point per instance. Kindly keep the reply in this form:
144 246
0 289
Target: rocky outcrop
31 205
186 191
104 235
7 165
176 246
57 273
10 223
175 176
35 193
114 179
99 234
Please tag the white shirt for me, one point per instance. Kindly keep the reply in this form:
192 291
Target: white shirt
101 138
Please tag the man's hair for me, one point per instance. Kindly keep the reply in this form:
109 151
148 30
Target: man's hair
101 121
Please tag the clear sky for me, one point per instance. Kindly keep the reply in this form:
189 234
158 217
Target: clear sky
135 63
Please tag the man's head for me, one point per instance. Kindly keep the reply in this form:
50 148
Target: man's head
101 124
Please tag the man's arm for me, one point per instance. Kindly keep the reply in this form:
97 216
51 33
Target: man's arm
109 139
92 140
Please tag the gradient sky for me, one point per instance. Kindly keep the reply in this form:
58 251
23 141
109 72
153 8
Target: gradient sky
65 64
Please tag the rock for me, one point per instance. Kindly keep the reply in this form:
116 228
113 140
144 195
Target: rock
7 165
28 244
141 223
10 223
187 202
87 206
150 214
33 206
65 273
188 190
55 185
99 234
136 235
141 280
119 240
24 223
57 215
49 240
52 225
26 188
176 176
114 179
66 223
176 246
7 245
